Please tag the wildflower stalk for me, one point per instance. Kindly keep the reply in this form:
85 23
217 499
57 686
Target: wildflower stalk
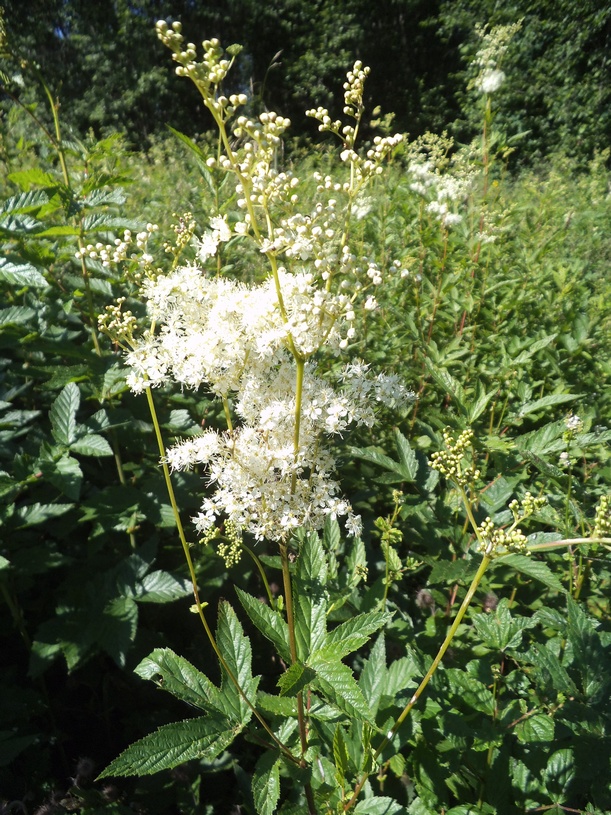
192 575
434 665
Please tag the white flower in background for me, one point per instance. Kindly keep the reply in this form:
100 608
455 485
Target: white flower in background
490 81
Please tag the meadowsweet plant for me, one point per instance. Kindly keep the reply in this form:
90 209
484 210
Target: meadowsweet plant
254 345
273 348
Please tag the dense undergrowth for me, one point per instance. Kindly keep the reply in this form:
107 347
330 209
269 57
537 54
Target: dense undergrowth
493 307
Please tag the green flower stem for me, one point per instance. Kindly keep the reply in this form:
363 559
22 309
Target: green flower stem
198 603
259 566
227 413
435 664
57 143
559 544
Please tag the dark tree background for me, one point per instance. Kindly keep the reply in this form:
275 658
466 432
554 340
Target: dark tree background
108 69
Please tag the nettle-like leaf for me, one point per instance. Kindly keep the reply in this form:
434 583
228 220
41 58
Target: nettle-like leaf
532 568
65 473
269 622
295 679
63 414
203 738
179 677
337 682
310 597
379 805
500 631
352 634
237 653
21 273
372 680
266 783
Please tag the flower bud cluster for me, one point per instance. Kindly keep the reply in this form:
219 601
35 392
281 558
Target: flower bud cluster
183 229
207 74
120 324
117 252
527 506
495 541
453 462
602 518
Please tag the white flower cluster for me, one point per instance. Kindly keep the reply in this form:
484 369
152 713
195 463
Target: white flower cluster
494 46
234 339
254 343
443 190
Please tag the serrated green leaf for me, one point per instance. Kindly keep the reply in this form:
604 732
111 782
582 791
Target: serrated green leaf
374 456
337 682
590 657
17 226
24 202
266 783
545 440
470 691
480 404
16 315
269 622
379 805
549 665
547 401
558 774
449 384
63 415
171 745
25 178
162 587
331 537
285 706
532 568
91 445
499 631
407 457
537 728
179 677
310 597
106 195
295 679
34 514
102 222
340 756
65 474
117 628
237 653
372 680
21 274
352 634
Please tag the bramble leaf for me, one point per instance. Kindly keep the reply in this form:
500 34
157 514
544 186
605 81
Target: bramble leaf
266 783
310 597
171 745
63 414
236 651
269 622
179 677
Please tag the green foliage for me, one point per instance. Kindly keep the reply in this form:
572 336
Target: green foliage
505 336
